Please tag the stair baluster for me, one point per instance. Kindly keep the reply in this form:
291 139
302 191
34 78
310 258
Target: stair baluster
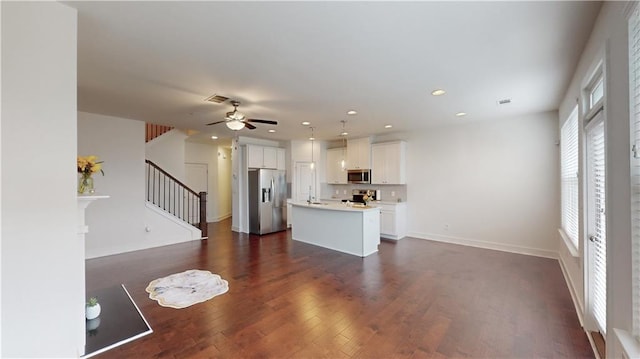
174 197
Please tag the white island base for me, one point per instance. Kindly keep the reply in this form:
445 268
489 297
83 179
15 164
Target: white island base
338 227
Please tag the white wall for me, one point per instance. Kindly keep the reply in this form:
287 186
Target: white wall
168 152
43 266
119 224
116 224
490 184
164 229
609 37
217 160
223 197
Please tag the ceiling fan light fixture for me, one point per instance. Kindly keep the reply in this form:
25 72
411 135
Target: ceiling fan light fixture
235 115
235 125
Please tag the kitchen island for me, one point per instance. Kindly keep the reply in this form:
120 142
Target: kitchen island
349 229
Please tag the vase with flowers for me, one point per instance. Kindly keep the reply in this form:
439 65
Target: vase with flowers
87 166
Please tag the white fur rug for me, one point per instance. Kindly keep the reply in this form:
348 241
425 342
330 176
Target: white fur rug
184 289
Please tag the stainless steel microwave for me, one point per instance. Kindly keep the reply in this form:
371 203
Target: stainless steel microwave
359 176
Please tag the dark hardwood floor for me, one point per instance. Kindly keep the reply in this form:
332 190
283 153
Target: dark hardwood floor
413 299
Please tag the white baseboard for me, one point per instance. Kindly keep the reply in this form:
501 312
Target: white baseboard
487 245
221 218
576 302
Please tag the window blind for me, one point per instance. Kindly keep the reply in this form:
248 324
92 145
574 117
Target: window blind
569 176
597 223
634 83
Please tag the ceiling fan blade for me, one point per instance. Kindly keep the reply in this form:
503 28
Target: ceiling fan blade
269 122
215 123
249 126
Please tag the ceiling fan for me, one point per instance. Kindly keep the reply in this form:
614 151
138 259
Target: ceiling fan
236 120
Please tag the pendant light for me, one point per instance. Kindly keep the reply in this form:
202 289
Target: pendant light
313 164
343 163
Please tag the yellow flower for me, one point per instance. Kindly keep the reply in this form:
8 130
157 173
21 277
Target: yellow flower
81 163
95 168
89 165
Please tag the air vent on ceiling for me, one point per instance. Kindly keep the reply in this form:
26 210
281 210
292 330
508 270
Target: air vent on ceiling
216 98
504 101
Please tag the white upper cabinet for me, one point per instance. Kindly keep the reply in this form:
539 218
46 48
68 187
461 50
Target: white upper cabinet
270 157
263 157
388 163
359 153
335 173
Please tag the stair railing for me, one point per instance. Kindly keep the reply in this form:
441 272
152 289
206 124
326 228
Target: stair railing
173 196
152 131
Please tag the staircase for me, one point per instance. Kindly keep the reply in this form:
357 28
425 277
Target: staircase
152 131
174 197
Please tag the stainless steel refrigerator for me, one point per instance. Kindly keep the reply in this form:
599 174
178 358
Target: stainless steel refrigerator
267 201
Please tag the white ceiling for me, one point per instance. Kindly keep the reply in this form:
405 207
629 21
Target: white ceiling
313 61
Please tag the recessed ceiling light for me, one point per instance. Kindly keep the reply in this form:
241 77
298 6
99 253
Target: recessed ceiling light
306 123
388 126
352 112
272 131
214 137
438 92
344 133
460 114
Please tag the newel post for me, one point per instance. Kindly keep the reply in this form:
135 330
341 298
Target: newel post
203 214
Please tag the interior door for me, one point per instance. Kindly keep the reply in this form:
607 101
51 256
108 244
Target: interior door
305 181
596 223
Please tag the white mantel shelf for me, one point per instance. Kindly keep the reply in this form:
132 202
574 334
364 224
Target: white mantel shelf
83 202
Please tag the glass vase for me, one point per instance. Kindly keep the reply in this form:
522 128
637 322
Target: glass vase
85 185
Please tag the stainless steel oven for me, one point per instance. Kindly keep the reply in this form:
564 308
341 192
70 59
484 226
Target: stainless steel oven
359 176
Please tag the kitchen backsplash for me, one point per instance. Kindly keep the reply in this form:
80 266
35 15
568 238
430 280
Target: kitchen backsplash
389 193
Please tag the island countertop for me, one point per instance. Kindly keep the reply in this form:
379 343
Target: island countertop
335 206
336 226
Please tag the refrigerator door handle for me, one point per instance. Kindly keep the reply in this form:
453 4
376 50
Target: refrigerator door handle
264 195
272 190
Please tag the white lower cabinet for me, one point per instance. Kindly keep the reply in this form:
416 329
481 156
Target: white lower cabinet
393 220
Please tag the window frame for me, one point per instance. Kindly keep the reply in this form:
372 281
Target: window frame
634 163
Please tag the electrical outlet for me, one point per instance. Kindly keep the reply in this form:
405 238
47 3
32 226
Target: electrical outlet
446 226
393 193
337 191
344 192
